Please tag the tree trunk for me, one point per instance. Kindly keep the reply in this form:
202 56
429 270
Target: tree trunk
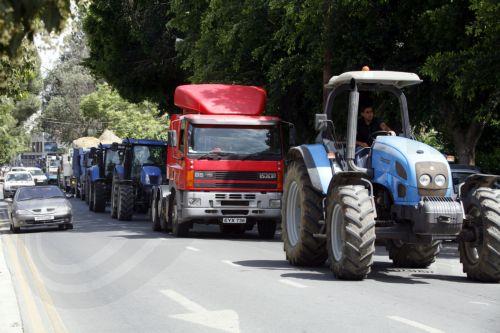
465 141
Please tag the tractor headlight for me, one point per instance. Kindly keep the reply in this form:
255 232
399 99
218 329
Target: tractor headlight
424 180
440 180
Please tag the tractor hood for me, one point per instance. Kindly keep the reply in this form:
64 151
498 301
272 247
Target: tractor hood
398 162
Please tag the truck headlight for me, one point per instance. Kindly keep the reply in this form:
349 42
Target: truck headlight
440 180
194 201
275 203
424 180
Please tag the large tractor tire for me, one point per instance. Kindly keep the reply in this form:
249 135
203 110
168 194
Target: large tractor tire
90 196
350 229
114 200
481 258
178 229
125 202
155 215
301 214
87 190
413 255
266 229
99 197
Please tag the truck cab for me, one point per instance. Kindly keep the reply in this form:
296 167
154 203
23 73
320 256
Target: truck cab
224 162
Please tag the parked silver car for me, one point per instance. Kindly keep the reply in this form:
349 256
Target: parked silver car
38 206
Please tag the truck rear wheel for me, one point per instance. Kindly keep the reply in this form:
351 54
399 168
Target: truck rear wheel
99 197
266 229
178 229
350 229
413 255
481 258
301 214
125 202
155 216
90 196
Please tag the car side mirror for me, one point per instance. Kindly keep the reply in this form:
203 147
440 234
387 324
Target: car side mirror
320 122
172 138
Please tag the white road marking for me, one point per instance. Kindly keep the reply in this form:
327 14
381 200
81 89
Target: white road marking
292 283
480 303
224 320
415 324
192 248
229 262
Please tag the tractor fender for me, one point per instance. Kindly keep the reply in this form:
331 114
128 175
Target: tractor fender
475 181
318 166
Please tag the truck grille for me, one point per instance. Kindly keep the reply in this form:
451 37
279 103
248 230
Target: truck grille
236 185
237 175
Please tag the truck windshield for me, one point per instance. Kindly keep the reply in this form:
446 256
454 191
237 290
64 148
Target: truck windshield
235 142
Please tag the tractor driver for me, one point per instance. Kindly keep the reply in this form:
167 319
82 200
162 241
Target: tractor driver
367 125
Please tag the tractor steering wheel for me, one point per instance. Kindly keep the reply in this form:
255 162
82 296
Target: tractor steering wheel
374 135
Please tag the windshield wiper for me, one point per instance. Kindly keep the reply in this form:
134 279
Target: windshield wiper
214 155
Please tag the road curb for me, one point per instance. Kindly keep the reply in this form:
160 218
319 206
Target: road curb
10 317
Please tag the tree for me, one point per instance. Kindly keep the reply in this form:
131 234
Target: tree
20 19
124 118
131 48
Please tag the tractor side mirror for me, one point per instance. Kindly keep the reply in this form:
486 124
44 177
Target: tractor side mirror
320 122
172 138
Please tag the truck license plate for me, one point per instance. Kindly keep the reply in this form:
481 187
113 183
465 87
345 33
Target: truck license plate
44 218
234 220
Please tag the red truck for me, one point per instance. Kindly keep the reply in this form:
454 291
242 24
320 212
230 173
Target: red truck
224 162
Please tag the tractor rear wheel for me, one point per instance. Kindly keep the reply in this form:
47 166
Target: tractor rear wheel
412 255
481 258
266 229
90 196
114 200
125 202
87 190
301 214
99 197
350 230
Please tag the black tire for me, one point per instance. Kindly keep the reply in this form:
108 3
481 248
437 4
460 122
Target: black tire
90 196
155 216
69 226
302 249
412 255
350 229
99 197
125 202
114 200
266 229
15 230
178 229
87 190
481 261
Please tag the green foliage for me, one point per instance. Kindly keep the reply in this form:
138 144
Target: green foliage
12 137
132 49
125 119
23 18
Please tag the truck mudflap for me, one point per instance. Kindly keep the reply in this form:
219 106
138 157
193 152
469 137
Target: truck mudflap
433 216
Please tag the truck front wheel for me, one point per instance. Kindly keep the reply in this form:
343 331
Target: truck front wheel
178 229
350 229
155 216
125 202
481 258
301 214
266 229
412 255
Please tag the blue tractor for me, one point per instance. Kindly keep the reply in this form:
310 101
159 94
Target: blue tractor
100 175
143 166
338 199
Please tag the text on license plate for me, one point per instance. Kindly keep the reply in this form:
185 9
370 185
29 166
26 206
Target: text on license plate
234 220
44 217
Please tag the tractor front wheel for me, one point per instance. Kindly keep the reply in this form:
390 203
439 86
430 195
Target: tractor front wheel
99 197
350 230
481 258
125 202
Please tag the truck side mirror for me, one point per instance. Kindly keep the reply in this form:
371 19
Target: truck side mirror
172 138
320 122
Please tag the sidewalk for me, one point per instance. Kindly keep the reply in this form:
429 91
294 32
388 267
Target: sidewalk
10 318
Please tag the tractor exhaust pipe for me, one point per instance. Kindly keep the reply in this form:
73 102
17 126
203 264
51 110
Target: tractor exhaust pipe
352 122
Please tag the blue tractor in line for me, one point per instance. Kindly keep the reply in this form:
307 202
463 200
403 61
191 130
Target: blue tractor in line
100 175
338 199
143 166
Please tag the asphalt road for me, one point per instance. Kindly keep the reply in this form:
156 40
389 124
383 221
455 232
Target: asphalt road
113 276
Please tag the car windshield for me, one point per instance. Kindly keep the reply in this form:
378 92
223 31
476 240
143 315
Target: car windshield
235 141
19 177
36 172
31 193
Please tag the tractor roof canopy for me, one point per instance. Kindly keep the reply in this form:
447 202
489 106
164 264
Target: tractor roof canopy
144 142
220 99
387 78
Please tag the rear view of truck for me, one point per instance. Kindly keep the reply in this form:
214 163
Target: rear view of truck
224 162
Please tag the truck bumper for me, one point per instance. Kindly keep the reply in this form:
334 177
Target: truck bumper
214 206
